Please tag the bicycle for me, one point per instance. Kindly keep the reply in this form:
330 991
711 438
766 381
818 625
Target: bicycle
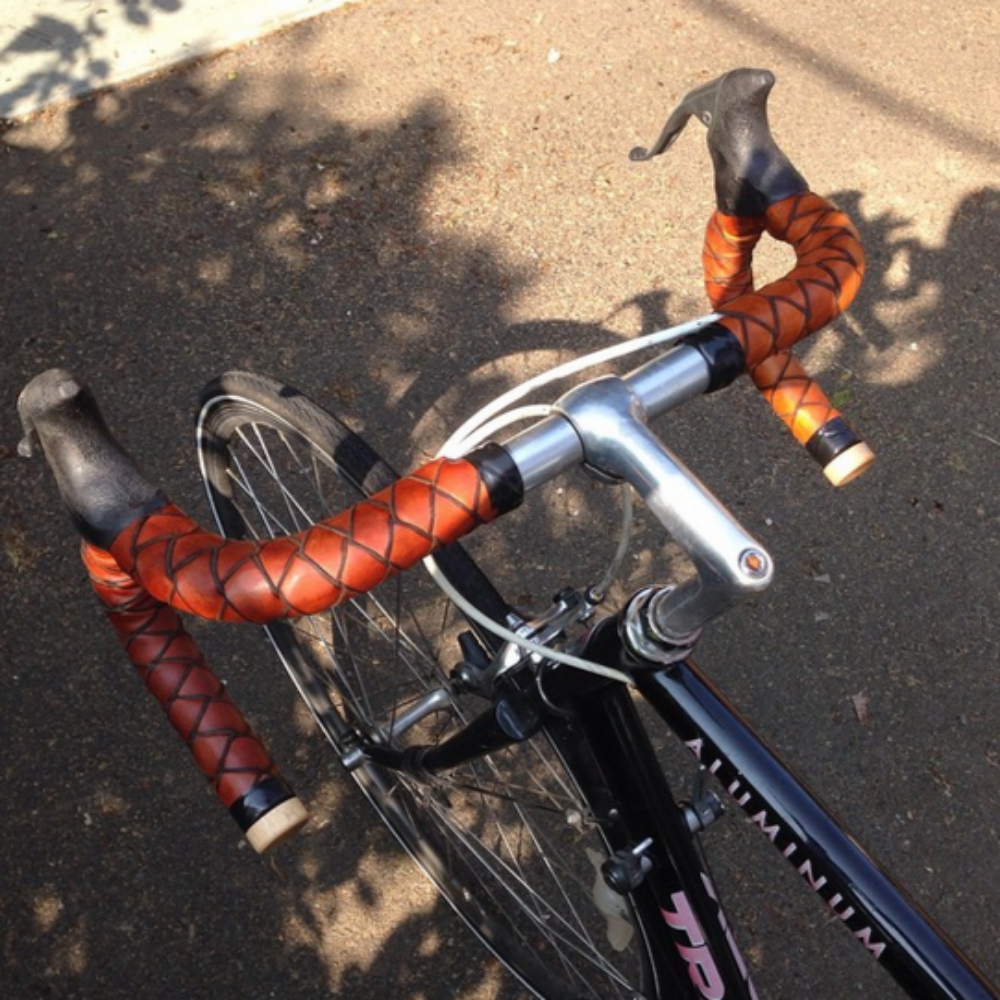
522 780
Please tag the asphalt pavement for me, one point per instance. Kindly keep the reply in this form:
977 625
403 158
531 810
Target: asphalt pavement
403 208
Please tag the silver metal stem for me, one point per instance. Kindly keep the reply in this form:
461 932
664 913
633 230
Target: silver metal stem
603 423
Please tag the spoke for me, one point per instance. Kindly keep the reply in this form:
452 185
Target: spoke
298 514
242 482
517 794
504 823
541 912
547 919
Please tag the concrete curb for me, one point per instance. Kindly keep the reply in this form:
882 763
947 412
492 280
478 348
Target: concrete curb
52 51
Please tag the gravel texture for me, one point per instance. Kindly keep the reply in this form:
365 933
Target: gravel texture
402 208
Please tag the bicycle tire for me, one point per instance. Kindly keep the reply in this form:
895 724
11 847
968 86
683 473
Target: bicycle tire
502 838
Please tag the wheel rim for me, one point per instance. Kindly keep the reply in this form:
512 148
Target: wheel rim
505 838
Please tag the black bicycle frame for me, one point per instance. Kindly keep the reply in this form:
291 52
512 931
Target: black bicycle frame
890 926
695 954
596 725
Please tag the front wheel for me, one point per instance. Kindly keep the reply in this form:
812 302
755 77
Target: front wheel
510 840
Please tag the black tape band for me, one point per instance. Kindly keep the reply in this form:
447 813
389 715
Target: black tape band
722 353
261 799
831 440
500 476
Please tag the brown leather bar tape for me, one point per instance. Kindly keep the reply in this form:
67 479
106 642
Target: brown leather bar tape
827 275
813 420
197 571
828 271
225 748
727 256
795 397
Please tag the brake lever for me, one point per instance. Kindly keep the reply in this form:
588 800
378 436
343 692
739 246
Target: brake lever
751 171
699 103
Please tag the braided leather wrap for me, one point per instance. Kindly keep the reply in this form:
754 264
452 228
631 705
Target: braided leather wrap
333 561
195 700
795 397
727 256
827 275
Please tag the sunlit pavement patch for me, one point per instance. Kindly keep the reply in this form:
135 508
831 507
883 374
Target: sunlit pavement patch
52 51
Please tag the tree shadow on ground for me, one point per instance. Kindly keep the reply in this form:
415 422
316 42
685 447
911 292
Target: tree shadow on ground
161 237
177 229
156 236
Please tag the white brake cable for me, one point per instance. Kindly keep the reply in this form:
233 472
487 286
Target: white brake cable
471 611
564 370
476 435
601 589
490 419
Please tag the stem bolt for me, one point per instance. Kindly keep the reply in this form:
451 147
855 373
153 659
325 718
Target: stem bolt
754 564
